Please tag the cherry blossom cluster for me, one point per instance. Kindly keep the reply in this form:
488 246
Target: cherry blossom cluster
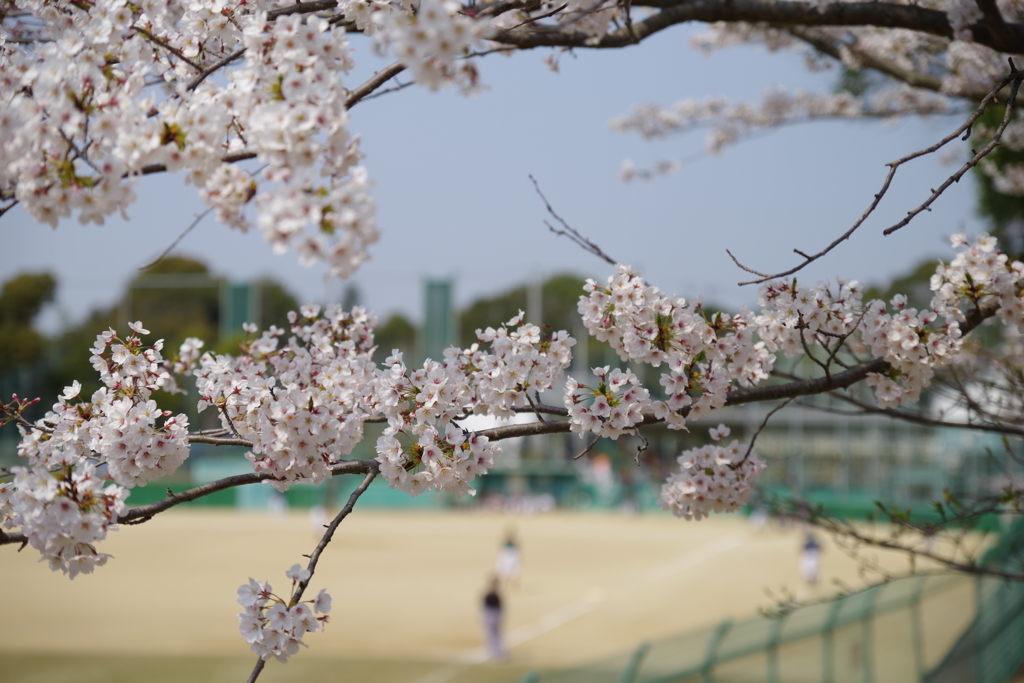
302 403
434 461
422 449
273 626
613 408
58 498
729 122
519 360
703 356
63 510
433 42
79 118
925 74
819 321
711 478
297 402
120 424
958 67
298 122
979 271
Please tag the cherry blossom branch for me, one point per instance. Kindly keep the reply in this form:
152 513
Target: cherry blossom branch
302 8
395 88
376 81
213 68
569 231
1016 78
742 395
590 447
963 132
916 418
144 513
503 6
532 20
781 14
826 45
354 97
374 469
995 22
219 441
371 474
156 40
233 158
805 512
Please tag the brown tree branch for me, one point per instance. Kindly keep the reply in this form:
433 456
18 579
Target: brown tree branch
1016 77
827 45
917 418
320 547
780 14
376 81
967 567
1001 31
973 318
963 132
568 231
144 513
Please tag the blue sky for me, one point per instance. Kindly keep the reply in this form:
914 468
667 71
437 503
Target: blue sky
454 197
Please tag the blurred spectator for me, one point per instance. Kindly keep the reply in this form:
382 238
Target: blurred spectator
491 616
508 565
758 518
810 559
318 519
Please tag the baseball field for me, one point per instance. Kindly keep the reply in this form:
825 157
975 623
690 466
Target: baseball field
406 588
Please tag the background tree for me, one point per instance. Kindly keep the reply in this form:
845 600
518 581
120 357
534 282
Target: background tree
21 300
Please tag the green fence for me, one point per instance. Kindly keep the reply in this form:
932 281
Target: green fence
991 650
929 629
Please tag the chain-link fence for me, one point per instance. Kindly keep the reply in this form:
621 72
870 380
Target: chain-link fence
930 629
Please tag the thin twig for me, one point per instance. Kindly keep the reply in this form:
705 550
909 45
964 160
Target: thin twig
964 130
569 231
851 532
1011 102
533 406
538 18
213 68
256 670
386 91
167 46
180 237
644 445
764 423
374 470
231 425
587 449
218 441
377 80
908 416
314 557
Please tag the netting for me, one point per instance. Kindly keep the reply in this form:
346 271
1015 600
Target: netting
930 629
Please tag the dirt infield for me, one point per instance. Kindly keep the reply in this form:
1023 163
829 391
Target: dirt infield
406 586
